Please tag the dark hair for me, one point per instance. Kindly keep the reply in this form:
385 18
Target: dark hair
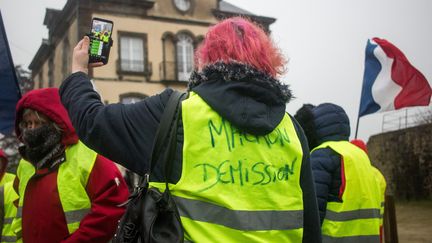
305 118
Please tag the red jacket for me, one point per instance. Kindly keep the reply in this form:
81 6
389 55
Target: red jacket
43 217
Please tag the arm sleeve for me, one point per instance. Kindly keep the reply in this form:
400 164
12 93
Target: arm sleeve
106 189
122 133
311 225
325 165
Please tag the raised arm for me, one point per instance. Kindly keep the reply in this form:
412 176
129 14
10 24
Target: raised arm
122 133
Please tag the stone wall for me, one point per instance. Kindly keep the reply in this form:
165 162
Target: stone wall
405 159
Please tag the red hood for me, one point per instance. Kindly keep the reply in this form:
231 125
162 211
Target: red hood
359 143
47 101
3 155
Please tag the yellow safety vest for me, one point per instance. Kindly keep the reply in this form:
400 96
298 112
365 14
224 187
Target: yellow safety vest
72 179
7 177
235 186
105 38
382 183
357 217
10 210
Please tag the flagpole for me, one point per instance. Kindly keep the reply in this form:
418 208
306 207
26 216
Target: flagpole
358 113
357 125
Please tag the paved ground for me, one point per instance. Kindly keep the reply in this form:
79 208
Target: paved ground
414 221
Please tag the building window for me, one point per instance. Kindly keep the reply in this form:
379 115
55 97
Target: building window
133 53
185 56
167 67
131 98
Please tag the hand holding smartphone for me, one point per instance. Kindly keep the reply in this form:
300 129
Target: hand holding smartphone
100 40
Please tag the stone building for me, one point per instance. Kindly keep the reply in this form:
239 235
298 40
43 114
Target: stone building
153 43
405 159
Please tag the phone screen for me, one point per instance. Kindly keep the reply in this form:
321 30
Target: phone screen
101 31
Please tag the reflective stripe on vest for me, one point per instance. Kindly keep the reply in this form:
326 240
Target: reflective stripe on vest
357 217
239 219
10 212
237 187
352 239
72 179
353 214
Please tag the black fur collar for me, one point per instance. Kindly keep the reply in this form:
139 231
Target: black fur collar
235 71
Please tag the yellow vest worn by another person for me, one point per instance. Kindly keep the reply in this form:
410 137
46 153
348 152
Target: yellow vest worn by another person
105 38
10 210
72 178
382 183
7 177
235 186
357 217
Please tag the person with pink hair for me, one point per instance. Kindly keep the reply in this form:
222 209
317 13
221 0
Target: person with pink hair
241 171
67 192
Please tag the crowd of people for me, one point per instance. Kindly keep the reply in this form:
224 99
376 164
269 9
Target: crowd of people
244 170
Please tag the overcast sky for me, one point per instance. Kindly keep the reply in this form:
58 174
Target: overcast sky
324 41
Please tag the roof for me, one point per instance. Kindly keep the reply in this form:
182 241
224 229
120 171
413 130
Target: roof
50 15
41 54
227 10
228 7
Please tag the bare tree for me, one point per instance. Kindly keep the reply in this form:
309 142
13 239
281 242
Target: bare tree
25 81
10 144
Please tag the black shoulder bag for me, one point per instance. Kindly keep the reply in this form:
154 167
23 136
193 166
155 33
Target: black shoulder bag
152 216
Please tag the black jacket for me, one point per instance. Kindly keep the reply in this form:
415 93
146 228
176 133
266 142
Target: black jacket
250 100
326 122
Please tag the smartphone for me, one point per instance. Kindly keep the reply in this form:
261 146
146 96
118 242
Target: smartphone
100 40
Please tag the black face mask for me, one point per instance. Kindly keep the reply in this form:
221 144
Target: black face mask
39 142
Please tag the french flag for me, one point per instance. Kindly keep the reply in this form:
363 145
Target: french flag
390 82
9 88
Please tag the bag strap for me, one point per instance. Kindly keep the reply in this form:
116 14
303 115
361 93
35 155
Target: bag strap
171 142
164 127
163 133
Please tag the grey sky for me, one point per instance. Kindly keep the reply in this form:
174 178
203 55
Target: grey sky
324 41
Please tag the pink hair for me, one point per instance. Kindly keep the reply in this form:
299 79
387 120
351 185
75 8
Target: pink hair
238 39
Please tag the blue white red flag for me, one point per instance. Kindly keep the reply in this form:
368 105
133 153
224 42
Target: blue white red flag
9 89
390 82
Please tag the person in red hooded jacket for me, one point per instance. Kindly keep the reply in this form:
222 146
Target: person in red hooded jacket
68 193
